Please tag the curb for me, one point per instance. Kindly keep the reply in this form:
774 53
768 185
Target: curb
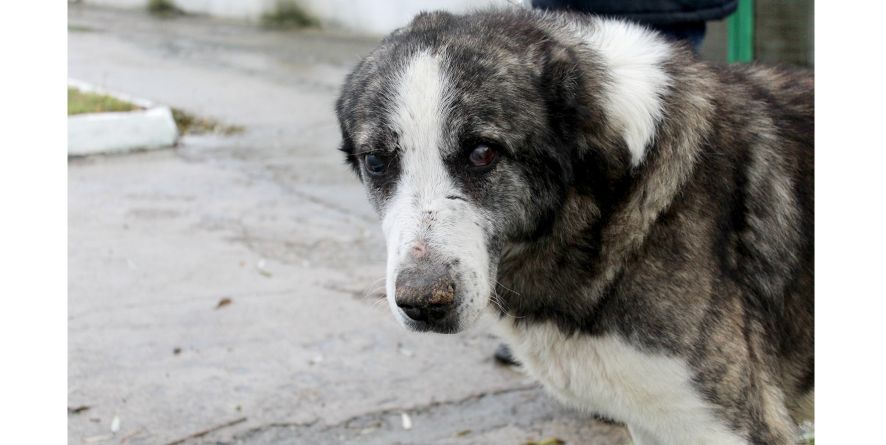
152 127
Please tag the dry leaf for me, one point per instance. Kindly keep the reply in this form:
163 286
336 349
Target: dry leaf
223 302
77 409
548 441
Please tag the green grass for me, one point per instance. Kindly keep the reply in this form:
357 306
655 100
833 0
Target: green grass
189 124
287 14
166 8
80 28
80 102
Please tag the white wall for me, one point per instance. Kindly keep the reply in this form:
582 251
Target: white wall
383 16
364 16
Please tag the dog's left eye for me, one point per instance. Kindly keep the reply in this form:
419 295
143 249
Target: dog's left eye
482 156
375 165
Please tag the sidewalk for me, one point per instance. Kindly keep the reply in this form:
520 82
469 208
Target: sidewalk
228 291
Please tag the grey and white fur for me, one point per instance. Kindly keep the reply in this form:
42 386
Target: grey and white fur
637 224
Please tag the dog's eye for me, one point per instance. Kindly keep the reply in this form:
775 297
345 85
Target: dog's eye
482 156
375 165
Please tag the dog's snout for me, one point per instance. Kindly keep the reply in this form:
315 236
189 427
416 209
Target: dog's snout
426 295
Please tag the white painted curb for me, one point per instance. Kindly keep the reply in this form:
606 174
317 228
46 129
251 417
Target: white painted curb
120 132
96 133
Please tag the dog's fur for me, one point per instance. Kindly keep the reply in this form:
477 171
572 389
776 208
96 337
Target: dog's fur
644 241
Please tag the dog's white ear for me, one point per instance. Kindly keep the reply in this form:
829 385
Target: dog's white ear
632 58
578 117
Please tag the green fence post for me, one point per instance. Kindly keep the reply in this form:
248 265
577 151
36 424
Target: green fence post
741 33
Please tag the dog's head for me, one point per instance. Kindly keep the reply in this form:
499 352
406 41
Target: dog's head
469 132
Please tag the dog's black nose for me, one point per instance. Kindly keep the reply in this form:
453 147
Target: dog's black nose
431 313
426 295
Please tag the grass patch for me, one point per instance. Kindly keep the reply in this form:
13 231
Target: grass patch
165 8
80 28
189 124
287 14
80 102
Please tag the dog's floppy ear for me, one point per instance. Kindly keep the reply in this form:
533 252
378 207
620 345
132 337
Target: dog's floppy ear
430 19
424 21
347 147
599 157
347 144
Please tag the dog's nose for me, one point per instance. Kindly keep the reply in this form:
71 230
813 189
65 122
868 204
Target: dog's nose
426 294
427 314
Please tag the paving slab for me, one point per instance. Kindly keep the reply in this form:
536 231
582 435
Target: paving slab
229 290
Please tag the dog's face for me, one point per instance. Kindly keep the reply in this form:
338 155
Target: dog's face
459 135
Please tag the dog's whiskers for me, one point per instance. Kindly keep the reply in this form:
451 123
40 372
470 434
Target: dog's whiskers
508 289
378 292
496 300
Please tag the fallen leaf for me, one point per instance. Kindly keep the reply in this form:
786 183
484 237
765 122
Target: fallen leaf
223 302
77 409
462 433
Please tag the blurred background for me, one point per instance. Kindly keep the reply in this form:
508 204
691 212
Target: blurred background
225 270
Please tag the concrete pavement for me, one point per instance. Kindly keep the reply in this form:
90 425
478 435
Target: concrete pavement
228 291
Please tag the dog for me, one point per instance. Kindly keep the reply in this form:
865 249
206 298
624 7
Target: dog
637 224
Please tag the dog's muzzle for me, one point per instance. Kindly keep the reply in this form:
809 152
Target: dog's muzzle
426 294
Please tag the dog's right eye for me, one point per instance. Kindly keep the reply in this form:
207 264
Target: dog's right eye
375 165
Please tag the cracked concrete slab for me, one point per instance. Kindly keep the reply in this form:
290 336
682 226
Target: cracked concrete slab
271 222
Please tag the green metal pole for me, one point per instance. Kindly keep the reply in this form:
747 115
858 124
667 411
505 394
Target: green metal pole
741 33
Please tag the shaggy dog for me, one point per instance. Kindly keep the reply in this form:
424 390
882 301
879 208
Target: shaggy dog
638 224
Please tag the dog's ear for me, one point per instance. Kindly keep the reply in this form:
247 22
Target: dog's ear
599 157
430 19
347 147
347 143
424 21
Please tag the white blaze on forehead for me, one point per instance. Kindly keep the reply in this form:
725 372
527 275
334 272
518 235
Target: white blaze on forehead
632 56
418 116
420 102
